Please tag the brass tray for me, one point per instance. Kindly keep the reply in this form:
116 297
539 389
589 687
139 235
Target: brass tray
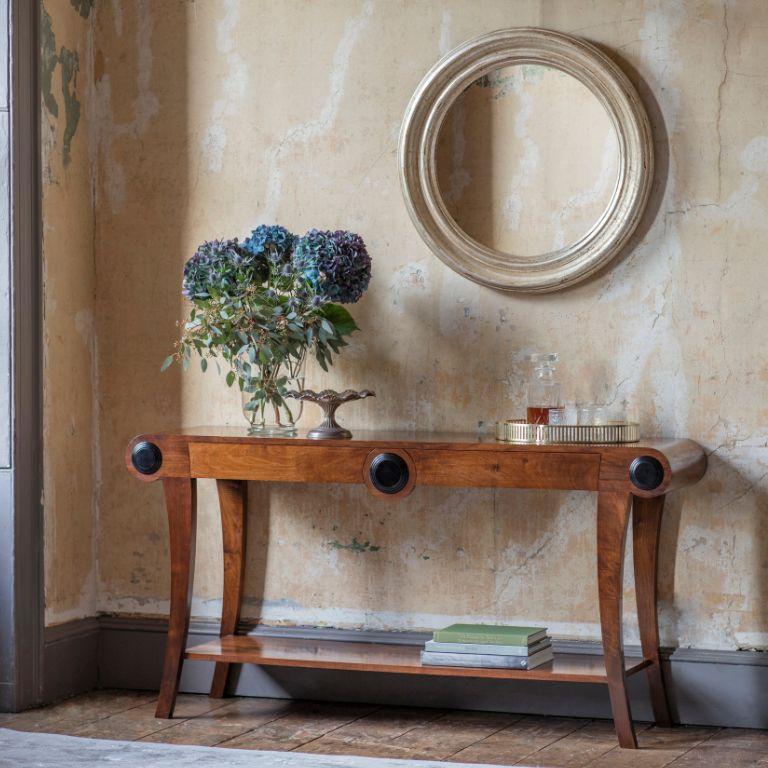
519 431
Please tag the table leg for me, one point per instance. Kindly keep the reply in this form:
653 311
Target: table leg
612 522
233 505
646 525
181 505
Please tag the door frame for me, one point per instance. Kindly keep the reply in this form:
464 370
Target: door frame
21 521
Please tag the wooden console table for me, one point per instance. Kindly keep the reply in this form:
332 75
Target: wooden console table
633 477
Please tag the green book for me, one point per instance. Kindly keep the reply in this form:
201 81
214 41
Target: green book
489 634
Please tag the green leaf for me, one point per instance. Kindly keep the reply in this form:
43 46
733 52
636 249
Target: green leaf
342 321
230 378
203 364
167 363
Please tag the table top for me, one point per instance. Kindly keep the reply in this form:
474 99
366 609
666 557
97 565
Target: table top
404 438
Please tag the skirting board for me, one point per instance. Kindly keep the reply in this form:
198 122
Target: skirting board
706 687
70 658
727 688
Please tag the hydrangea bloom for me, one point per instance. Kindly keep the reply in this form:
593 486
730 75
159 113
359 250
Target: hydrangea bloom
336 264
275 243
221 264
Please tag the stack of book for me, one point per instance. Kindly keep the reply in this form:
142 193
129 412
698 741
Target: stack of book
488 645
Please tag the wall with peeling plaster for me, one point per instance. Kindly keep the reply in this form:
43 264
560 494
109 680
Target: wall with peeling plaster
527 160
70 447
205 122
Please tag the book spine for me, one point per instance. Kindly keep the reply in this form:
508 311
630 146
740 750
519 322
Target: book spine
493 650
479 638
473 660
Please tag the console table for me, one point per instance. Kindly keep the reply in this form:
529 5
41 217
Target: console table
627 478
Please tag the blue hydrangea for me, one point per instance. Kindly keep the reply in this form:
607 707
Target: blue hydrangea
335 264
275 243
223 265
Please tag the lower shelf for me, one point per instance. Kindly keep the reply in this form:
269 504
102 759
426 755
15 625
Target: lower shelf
380 657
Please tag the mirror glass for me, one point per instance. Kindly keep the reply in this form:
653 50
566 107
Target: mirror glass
527 160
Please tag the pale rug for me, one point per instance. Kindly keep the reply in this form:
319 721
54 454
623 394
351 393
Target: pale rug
20 749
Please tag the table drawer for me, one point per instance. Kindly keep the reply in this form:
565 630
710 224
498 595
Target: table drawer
280 463
341 464
507 469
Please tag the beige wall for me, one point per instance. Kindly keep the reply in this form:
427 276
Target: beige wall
210 117
70 415
527 160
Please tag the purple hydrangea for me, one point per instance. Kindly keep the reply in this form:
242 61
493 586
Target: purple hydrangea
224 266
275 243
335 264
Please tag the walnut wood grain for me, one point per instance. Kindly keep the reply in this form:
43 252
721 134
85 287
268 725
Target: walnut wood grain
234 517
646 527
175 450
278 463
406 438
383 657
612 521
684 463
232 457
507 469
181 505
229 453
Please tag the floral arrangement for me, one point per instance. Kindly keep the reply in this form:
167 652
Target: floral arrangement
260 306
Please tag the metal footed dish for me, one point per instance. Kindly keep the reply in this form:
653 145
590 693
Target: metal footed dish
519 431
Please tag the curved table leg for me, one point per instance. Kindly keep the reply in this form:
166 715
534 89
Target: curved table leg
181 505
646 525
612 522
233 505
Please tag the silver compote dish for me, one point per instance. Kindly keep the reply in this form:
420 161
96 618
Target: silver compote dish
329 400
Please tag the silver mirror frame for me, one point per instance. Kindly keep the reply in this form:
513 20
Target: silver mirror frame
418 173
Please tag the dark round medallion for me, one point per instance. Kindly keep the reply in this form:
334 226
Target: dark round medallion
646 473
389 473
146 458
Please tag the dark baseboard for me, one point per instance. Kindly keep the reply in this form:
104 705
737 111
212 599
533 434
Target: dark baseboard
726 688
70 653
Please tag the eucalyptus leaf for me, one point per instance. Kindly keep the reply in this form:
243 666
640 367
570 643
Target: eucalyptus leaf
340 318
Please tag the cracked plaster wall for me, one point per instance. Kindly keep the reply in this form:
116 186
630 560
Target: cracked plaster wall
210 117
70 439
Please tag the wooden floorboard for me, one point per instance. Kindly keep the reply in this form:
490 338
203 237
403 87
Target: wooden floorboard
518 741
400 732
437 739
303 723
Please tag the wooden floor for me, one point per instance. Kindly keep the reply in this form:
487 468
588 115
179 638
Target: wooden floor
482 737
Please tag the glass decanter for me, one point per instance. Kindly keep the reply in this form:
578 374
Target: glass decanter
543 389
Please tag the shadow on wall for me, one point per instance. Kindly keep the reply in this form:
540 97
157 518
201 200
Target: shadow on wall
141 241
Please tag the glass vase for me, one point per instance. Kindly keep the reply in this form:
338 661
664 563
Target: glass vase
266 408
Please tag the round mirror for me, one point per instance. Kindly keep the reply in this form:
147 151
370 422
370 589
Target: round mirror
525 159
